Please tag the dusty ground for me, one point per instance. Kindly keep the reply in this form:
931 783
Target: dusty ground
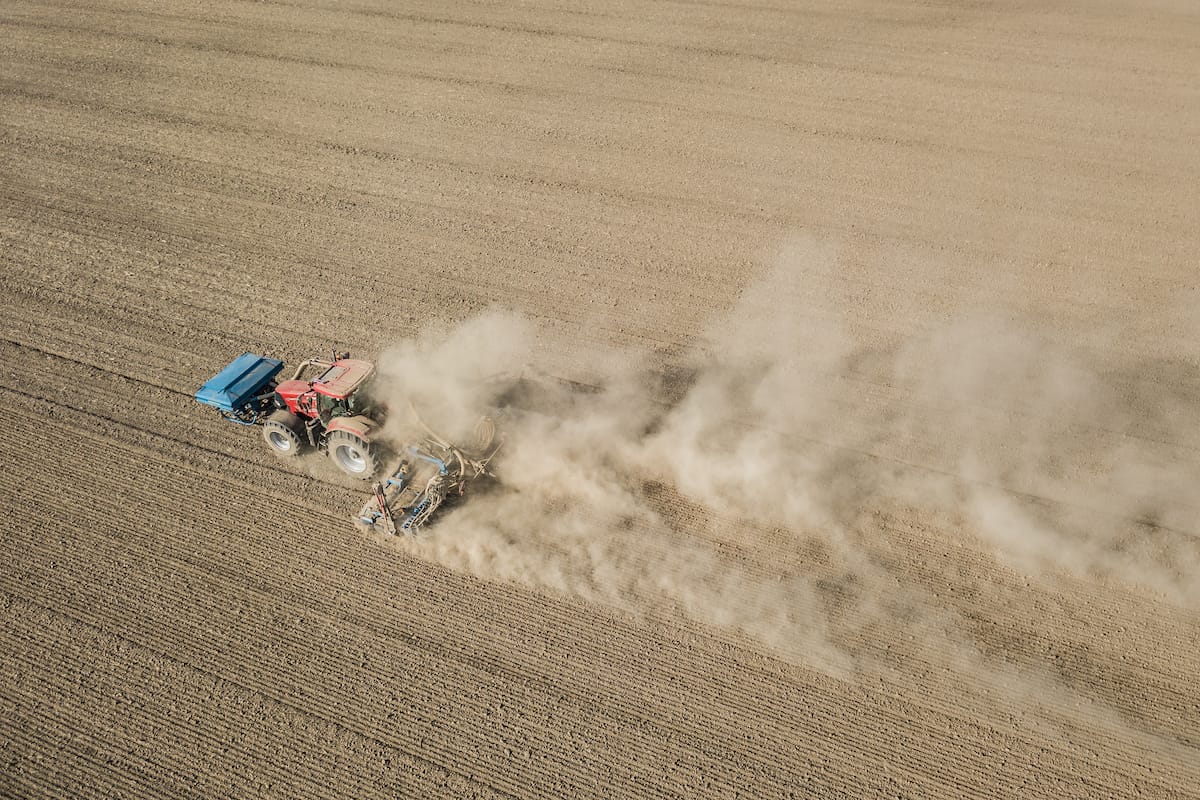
185 616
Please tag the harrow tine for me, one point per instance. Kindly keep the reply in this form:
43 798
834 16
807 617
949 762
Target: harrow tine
384 511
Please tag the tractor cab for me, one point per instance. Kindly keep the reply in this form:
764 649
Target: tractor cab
335 392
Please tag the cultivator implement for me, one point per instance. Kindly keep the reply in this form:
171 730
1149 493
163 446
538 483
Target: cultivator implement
429 473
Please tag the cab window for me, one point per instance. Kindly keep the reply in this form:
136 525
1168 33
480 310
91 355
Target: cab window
329 407
360 401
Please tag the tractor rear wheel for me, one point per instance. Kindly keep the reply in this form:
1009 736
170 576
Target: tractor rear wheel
279 432
352 455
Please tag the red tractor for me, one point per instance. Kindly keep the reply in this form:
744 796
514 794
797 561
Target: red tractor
331 411
327 406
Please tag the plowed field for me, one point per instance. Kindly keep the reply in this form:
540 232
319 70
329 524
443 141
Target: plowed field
891 490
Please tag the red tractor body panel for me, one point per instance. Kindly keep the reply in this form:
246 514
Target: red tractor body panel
292 393
362 427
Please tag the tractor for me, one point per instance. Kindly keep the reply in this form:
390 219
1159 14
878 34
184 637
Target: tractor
325 406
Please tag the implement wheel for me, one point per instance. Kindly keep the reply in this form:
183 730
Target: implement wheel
485 434
351 454
279 432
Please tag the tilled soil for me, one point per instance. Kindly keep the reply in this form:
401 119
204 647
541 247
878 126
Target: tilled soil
184 615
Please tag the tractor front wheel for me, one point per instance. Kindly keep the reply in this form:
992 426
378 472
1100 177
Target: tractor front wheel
352 455
279 432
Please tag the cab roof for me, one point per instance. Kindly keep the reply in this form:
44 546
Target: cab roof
340 380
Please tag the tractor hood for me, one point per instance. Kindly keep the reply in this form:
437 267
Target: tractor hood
288 391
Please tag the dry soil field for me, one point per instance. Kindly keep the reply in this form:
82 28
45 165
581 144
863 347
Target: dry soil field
891 492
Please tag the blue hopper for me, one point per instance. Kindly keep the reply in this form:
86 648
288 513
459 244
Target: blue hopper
242 390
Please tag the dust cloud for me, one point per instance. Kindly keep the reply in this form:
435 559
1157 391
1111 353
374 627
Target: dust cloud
742 486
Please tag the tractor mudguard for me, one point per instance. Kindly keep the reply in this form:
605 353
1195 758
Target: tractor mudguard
360 426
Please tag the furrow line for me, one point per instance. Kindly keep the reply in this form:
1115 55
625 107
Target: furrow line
213 656
259 763
328 711
957 711
868 748
321 696
149 444
39 726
